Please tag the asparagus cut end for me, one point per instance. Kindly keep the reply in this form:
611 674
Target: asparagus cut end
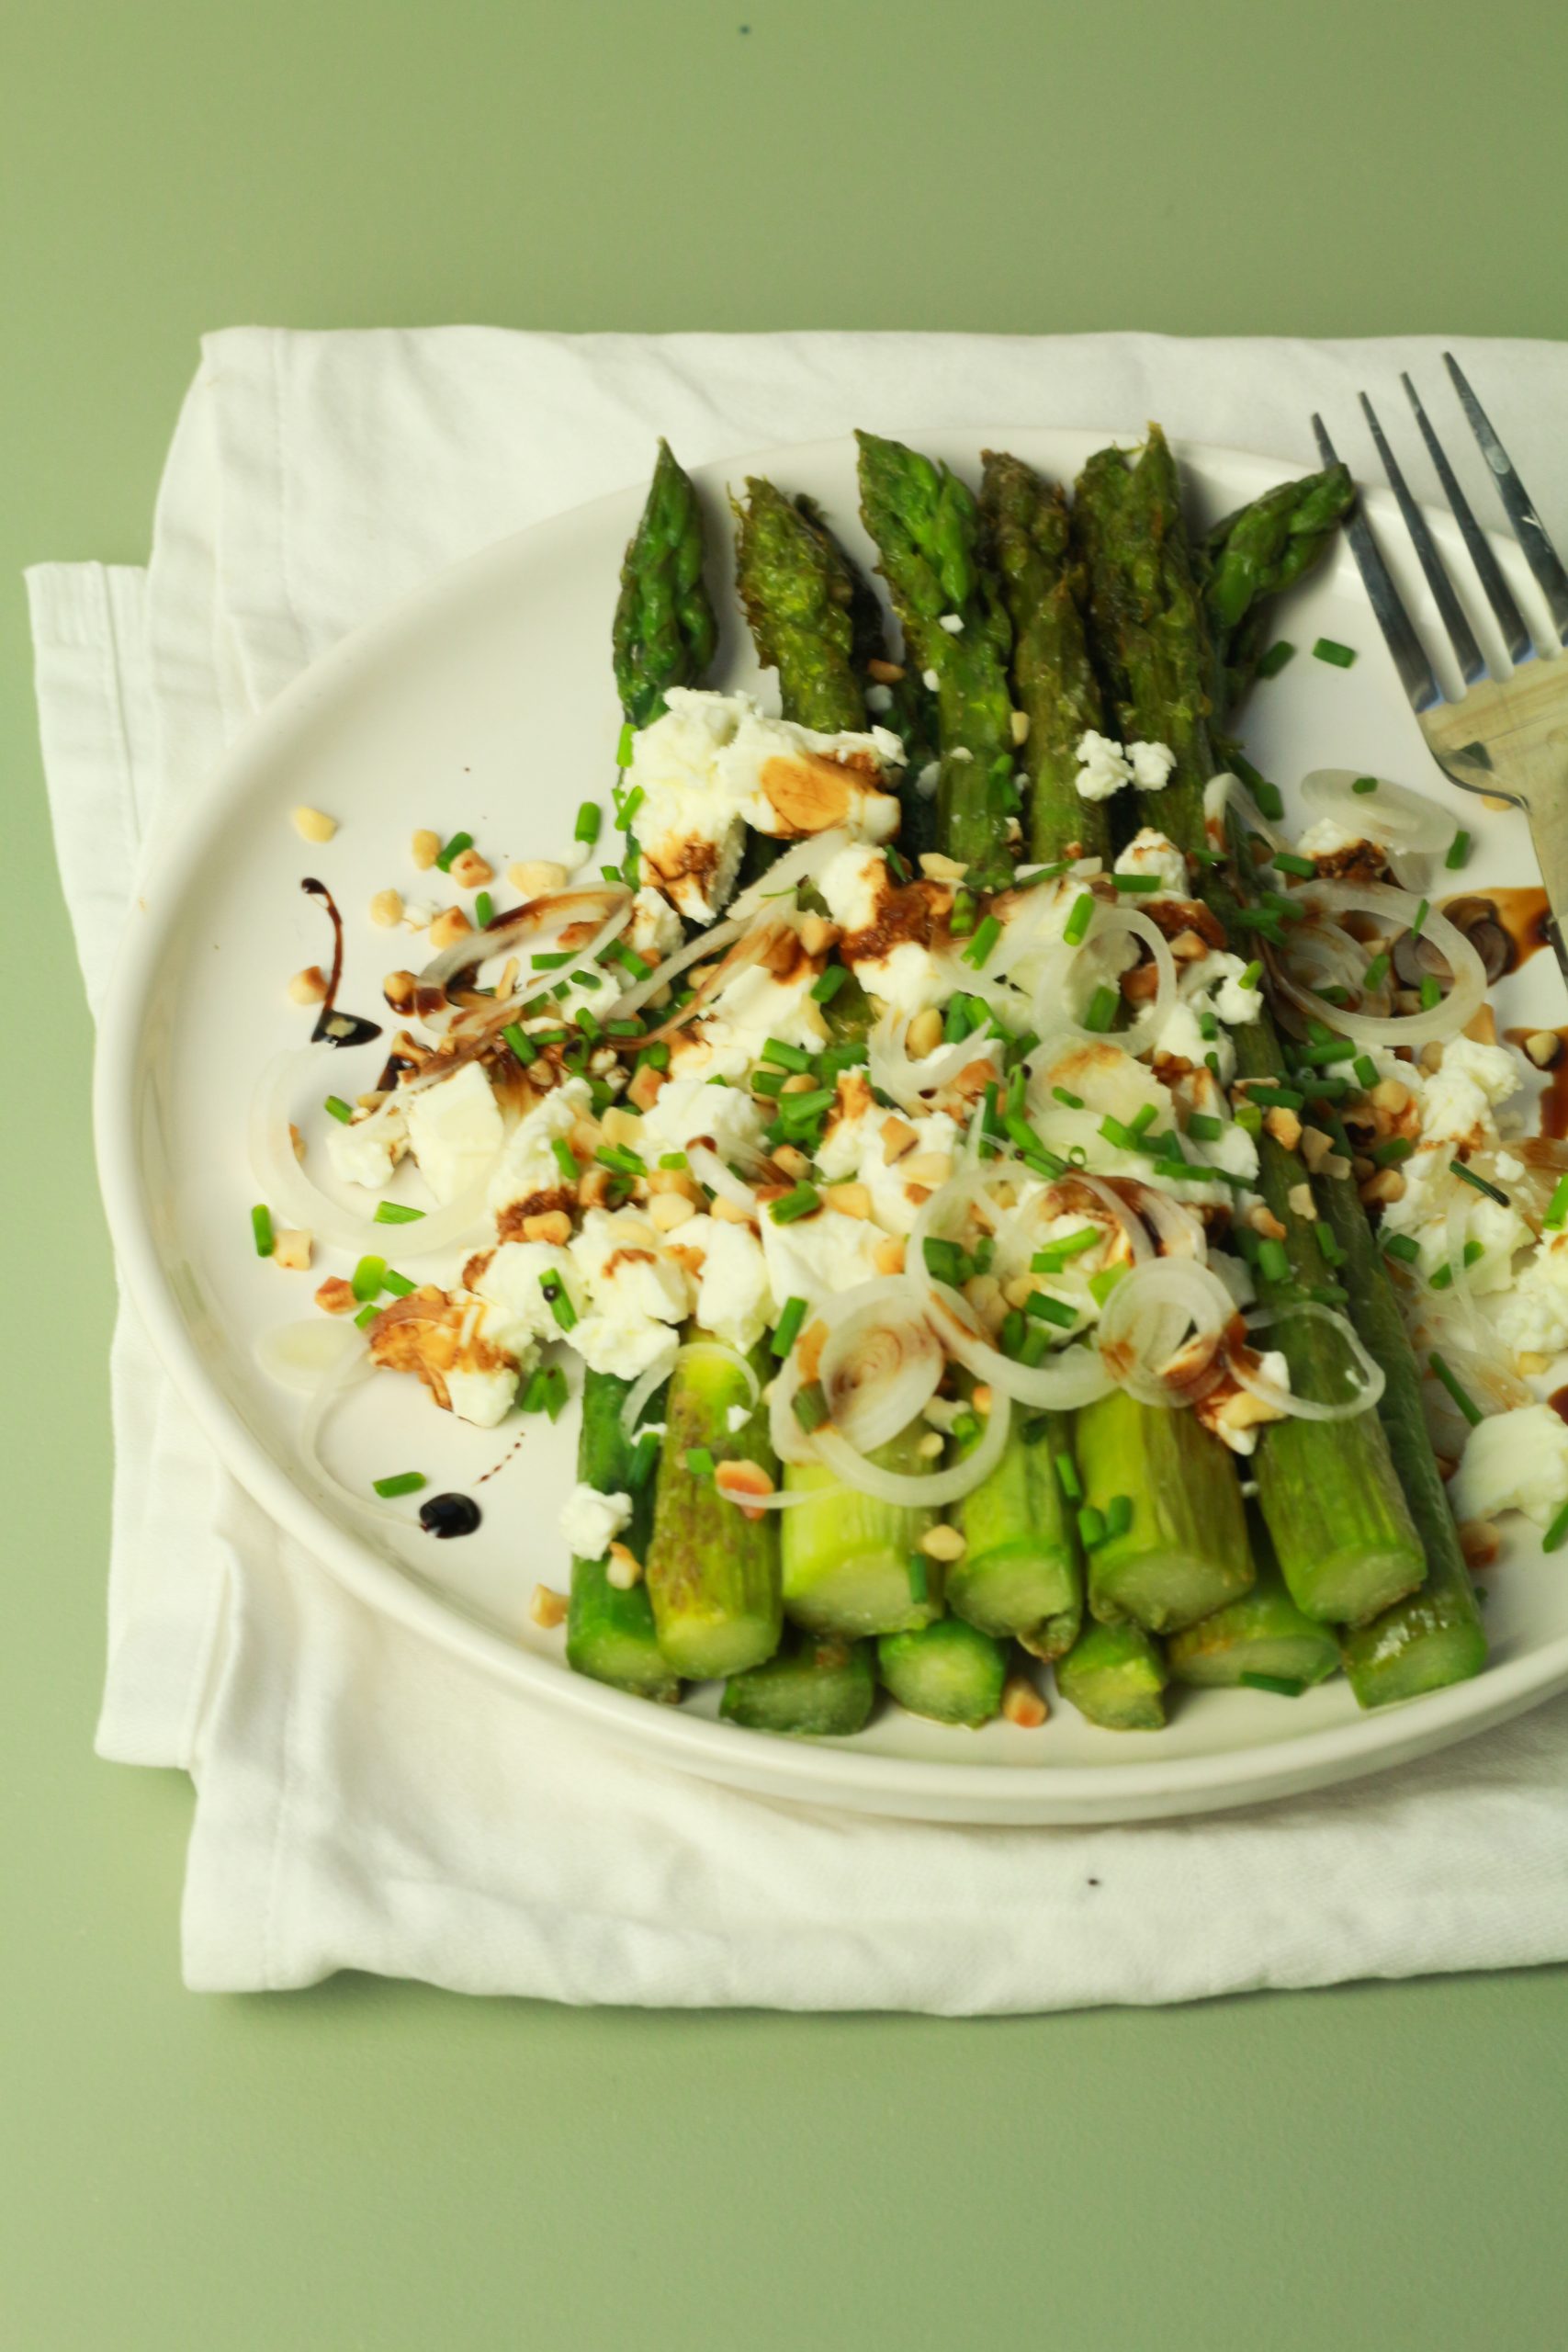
949 1671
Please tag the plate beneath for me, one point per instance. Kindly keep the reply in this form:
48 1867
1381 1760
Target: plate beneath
486 702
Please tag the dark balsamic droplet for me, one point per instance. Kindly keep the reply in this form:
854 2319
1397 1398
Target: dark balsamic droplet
446 1515
333 1027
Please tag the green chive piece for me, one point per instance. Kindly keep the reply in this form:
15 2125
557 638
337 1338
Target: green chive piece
1458 850
1431 993
787 1328
404 1482
366 1316
590 818
1469 1176
454 848
1557 1533
793 1205
985 939
1101 1011
1390 1154
1134 885
1046 1309
1251 976
1118 1515
809 1405
1068 1478
627 958
522 1045
1337 656
1269 798
1329 1244
920 1578
1289 862
369 1278
1284 1686
1104 1283
261 1227
1249 1118
1055 1254
557 1302
783 1057
1080 920
1405 1247
624 746
555 1391
398 1284
1365 783
1206 1129
1271 664
699 1461
484 907
826 987
621 1160
1091 1527
396 1212
1418 920
1375 974
1274 1262
336 1108
1366 1071
566 1160
1459 1393
1072 1102
1557 1208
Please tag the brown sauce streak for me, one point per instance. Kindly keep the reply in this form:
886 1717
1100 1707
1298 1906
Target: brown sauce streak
911 916
1523 913
333 1027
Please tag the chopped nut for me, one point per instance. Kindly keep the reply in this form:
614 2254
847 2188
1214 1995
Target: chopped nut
918 1195
335 1296
849 1200
425 848
450 925
799 1081
888 1255
622 1127
1335 1165
471 871
886 673
310 986
1479 1543
400 989
981 1399
1301 1202
1361 1168
925 1033
808 1348
1020 1289
817 934
1021 727
623 1569
593 1188
938 868
1543 1047
1263 1220
930 1445
1284 1127
897 1137
1388 1184
1407 1000
1533 1366
943 1543
548 1606
312 826
1390 1095
667 1210
1021 1703
790 1160
1316 1146
731 1212
1431 1056
1495 800
673 1179
550 1225
644 1087
387 909
736 1480
537 876
933 1168
297 1139
292 1249
1189 947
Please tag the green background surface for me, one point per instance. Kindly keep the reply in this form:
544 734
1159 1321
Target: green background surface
377 2165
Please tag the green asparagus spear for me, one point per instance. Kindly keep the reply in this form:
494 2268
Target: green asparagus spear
664 632
609 1631
712 1573
1115 1675
952 1672
1254 555
852 1565
1262 1633
799 597
1339 1521
927 529
1029 544
815 1685
1165 1492
1020 1572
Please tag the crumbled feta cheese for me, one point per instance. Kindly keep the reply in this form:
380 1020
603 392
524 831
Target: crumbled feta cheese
1235 1150
755 1006
855 1149
1532 1314
908 979
483 1395
928 779
528 1165
819 1255
951 622
1326 839
655 931
691 1109
636 1295
1513 1461
930 680
1182 1038
879 699
1149 852
455 1130
853 884
1240 1436
591 1522
1104 767
1153 766
733 1298
1458 1097
367 1152
516 1312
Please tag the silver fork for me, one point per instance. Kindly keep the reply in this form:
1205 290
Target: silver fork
1505 738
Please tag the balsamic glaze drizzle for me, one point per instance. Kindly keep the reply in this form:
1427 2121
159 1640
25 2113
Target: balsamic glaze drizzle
446 1515
333 1027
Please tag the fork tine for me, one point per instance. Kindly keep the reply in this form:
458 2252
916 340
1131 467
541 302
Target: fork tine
1540 553
1499 596
1415 672
1472 660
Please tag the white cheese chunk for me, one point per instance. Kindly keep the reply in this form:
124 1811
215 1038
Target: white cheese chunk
367 1152
518 1314
455 1131
528 1165
1103 766
591 1522
482 1396
1513 1461
636 1295
1150 852
733 1297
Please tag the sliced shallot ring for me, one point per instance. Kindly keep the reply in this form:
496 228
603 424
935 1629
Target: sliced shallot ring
354 1366
1145 1324
1392 910
914 1491
556 912
882 1362
707 943
801 863
744 951
1285 1400
721 1179
1393 816
655 1375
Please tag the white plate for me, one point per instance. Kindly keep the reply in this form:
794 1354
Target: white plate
487 702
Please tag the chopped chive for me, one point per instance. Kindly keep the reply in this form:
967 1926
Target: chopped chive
1418 921
1460 1394
590 818
1431 993
454 848
404 1482
631 803
1102 1285
336 1108
1080 920
1118 1134
555 1391
1337 656
1249 1118
366 1316
1389 1153
589 979
809 1405
826 986
1328 1243
1364 783
1251 976
640 1468
1117 1516
610 874
1068 1478
1328 1293
369 1278
547 963
944 1261
1273 1261
627 958
484 907
699 1461
1557 1533
793 1205
566 1160
261 1227
1136 885
621 1160
1289 862
1206 1129
1557 1207
592 1029
1468 1175
654 1057
800 1110
396 1212
1010 1337
1270 664
1333 1049
630 1025
1376 973
624 746
1046 1309
1402 1247
1101 1011
1443 1279
1054 1255
1366 1071
783 1057
1072 1102
1269 798
787 1330
1284 1686
1458 850
398 1284
961 920
985 939
1091 1527
919 1581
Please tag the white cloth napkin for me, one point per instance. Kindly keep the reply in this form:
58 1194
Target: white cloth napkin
364 1801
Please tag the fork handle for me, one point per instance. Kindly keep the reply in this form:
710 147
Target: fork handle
1549 835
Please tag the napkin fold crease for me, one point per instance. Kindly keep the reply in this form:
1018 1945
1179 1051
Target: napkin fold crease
364 1801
